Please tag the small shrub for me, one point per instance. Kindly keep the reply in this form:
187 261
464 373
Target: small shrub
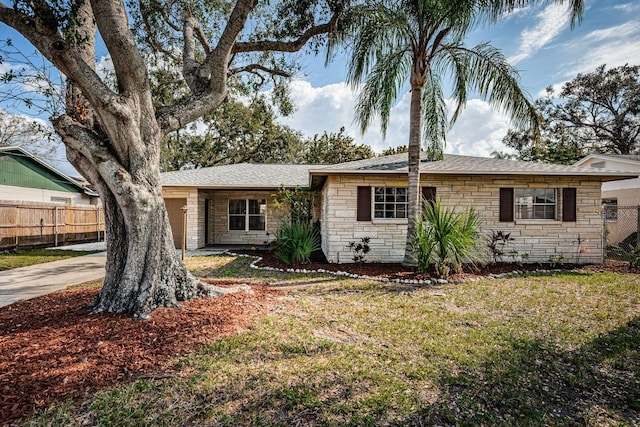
360 249
632 255
556 260
445 238
295 242
498 240
297 203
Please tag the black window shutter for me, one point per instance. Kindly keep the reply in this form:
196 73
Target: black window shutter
429 194
569 204
506 205
364 203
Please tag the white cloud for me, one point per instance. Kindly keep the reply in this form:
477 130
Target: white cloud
627 7
613 46
556 87
104 66
517 12
478 131
550 23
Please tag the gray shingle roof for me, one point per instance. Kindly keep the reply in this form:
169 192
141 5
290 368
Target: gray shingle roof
250 175
466 165
242 175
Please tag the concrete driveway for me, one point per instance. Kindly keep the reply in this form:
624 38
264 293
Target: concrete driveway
40 279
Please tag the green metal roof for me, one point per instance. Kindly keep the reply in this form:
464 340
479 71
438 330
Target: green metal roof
20 168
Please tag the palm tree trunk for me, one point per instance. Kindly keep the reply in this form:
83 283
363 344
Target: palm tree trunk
415 145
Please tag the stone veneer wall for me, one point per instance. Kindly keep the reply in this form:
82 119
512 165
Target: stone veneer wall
539 239
221 234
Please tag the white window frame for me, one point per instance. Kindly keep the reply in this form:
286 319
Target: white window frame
386 203
247 215
532 204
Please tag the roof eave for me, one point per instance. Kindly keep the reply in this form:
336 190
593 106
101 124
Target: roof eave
604 157
236 187
612 175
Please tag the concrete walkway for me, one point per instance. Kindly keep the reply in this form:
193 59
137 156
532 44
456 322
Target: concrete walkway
40 279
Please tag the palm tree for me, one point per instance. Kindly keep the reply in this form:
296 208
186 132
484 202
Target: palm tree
422 42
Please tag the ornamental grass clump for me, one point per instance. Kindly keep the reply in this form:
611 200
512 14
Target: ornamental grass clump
296 241
445 238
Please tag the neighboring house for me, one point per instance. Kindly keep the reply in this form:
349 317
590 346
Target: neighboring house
25 178
625 192
620 197
551 211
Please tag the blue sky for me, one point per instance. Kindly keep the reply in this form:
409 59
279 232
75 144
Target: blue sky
537 40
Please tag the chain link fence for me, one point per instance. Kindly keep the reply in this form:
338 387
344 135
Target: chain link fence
621 230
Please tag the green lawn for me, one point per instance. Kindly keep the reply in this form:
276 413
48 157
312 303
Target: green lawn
562 349
23 258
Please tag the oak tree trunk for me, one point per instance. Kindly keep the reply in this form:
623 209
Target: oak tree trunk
143 270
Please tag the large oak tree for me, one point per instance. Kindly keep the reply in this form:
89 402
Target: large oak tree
112 133
597 112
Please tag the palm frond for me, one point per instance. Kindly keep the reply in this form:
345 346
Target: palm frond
381 88
489 73
434 114
496 9
376 33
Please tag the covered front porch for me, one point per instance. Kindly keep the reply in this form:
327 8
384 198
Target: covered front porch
222 218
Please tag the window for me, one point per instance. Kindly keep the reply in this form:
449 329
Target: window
535 203
390 202
247 214
610 209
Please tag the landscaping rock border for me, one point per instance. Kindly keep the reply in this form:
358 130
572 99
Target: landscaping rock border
427 282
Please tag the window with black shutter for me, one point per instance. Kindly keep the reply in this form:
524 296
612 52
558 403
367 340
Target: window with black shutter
569 204
506 205
429 194
364 204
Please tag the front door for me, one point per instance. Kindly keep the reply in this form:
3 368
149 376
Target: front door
174 209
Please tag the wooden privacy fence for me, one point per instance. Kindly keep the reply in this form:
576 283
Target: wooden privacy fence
52 224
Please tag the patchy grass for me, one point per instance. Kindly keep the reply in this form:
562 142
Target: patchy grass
237 268
539 350
23 258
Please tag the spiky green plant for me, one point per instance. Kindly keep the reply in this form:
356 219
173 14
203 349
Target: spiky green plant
296 241
445 238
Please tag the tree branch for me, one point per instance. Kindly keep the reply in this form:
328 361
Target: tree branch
217 61
111 18
254 68
155 43
92 147
282 46
68 59
174 117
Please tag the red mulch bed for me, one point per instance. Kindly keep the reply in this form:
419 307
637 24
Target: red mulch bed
393 271
52 349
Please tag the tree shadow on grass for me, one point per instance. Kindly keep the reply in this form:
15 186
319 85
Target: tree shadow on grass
534 383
